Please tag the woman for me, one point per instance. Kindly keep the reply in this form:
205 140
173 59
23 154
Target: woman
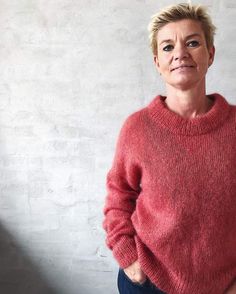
170 212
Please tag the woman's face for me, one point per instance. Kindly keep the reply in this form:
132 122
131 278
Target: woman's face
182 56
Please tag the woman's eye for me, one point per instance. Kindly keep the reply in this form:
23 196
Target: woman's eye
168 48
193 43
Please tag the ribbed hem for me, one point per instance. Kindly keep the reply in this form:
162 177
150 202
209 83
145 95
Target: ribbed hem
125 251
182 283
201 124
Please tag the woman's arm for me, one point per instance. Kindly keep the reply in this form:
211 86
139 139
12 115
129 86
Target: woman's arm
123 188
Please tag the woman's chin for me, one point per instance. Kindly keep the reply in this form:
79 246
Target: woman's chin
184 84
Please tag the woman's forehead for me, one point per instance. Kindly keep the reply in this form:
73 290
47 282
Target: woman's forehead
183 28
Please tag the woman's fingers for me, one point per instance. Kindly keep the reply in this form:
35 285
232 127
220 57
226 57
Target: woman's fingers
135 273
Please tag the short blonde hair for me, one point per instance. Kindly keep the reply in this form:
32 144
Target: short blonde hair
177 12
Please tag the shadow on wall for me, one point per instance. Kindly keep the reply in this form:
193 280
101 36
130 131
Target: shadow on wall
18 275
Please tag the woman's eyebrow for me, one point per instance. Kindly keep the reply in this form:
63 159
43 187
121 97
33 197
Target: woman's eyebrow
187 37
193 35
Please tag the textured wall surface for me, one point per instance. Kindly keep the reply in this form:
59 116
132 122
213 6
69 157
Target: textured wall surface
70 73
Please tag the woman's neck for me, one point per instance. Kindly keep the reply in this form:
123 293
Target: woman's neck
189 103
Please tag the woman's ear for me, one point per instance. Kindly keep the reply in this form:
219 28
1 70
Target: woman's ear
211 55
156 61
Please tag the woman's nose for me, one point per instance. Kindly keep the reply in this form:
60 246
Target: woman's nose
180 52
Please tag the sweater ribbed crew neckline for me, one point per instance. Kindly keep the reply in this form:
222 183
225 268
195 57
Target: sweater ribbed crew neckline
200 124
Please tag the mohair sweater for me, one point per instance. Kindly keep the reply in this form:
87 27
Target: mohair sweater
171 197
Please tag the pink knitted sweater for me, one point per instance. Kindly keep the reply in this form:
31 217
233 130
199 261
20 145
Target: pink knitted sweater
171 200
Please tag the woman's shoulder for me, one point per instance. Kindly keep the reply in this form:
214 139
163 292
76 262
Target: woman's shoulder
142 112
223 98
228 101
227 109
134 119
135 123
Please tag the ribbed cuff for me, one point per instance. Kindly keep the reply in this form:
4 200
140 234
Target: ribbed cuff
125 251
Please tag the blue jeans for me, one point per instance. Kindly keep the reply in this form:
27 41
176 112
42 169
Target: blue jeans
127 286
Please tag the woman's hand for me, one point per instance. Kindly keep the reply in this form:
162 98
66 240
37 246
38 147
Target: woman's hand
135 273
231 289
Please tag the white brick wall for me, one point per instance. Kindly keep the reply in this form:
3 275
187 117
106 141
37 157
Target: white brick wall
70 73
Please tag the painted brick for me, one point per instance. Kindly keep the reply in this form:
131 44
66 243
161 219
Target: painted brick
71 72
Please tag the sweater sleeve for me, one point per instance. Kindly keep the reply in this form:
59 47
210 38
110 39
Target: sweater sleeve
123 188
